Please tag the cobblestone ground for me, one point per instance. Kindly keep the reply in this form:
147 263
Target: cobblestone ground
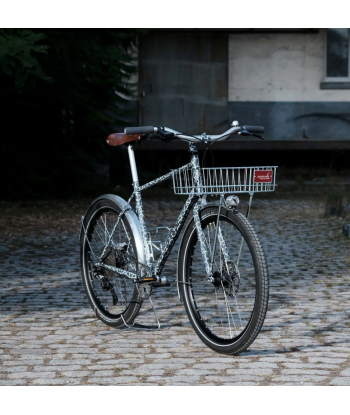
49 335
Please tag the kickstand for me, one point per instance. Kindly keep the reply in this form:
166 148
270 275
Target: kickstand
142 327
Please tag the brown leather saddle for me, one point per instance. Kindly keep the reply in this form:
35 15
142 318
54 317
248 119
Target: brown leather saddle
118 139
130 134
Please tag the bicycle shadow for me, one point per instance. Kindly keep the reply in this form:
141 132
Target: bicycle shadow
135 327
317 330
294 349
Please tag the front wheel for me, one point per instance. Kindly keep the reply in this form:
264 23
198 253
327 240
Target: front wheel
227 311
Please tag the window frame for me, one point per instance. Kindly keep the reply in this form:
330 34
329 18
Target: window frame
335 79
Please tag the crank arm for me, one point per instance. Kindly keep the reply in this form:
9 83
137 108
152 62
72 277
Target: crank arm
120 271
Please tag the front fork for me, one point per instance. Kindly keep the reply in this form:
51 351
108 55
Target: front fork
205 249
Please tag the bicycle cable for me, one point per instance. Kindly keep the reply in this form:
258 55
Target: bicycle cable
204 156
208 148
205 151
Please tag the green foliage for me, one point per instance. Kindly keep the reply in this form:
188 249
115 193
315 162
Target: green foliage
18 57
90 68
65 90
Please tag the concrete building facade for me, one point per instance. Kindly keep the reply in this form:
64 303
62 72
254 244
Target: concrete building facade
296 83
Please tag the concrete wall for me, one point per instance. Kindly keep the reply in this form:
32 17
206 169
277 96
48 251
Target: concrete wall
279 67
274 80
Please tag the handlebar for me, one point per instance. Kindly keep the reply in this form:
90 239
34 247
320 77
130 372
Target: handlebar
168 134
139 130
254 129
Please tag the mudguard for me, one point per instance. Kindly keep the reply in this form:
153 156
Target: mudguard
130 217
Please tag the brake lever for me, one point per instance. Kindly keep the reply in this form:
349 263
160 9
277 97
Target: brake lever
167 136
246 133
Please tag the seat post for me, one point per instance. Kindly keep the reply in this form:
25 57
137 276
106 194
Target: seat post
132 160
139 207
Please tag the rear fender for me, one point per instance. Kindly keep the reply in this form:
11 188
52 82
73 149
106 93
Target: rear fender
130 217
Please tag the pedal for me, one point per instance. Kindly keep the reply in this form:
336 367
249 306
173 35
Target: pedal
147 280
154 281
163 282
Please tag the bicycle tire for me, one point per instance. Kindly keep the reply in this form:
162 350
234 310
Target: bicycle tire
247 289
115 313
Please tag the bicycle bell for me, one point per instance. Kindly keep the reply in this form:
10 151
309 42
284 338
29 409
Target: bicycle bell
232 201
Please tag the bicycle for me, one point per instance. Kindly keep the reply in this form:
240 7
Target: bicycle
222 275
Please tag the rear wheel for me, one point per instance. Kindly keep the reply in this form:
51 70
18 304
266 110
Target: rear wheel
228 312
114 297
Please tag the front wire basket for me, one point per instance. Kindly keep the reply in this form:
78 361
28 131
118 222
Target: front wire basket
223 180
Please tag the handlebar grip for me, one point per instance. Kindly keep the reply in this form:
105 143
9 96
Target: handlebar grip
254 129
139 130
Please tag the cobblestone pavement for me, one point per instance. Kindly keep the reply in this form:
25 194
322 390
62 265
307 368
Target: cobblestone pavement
49 335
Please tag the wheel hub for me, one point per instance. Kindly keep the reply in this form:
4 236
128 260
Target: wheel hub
229 281
221 279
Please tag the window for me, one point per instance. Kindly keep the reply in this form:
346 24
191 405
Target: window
337 59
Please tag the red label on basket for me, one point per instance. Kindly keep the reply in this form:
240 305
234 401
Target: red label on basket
263 176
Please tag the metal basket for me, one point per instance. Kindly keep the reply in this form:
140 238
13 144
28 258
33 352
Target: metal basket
226 180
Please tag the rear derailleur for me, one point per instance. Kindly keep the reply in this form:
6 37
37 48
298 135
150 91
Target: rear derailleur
117 257
105 283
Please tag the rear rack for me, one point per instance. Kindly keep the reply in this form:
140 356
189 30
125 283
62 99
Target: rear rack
226 180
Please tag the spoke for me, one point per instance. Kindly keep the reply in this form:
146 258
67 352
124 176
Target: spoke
223 247
239 252
209 243
201 266
238 312
98 233
220 251
95 246
104 223
104 232
228 317
91 249
119 286
229 312
216 297
224 311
